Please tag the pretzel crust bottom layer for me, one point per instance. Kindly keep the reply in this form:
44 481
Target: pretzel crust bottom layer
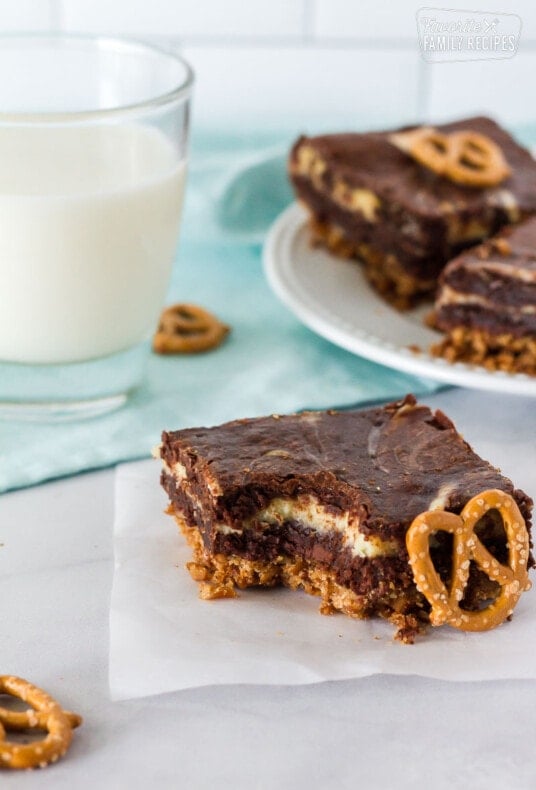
493 352
220 574
384 272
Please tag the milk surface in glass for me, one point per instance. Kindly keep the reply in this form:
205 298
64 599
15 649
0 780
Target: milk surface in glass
89 218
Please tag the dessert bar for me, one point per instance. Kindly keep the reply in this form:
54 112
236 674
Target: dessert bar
323 500
486 303
406 202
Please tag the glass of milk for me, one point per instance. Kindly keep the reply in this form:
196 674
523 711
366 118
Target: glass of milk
93 145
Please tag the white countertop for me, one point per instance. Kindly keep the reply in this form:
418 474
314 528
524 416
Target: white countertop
56 566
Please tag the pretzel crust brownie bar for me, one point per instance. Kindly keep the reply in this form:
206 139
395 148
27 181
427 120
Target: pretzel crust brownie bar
322 501
368 199
486 303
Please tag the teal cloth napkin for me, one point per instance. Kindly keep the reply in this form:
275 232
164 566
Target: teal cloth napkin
270 363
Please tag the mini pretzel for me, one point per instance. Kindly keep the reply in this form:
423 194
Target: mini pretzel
426 145
466 157
512 578
45 714
476 160
188 329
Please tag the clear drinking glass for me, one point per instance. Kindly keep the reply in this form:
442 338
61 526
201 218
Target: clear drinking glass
93 148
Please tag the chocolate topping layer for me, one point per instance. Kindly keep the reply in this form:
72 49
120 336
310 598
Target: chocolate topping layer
374 193
372 162
384 465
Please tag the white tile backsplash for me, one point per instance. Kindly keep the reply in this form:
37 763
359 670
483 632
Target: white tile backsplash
395 20
501 88
25 15
369 19
303 87
281 62
186 18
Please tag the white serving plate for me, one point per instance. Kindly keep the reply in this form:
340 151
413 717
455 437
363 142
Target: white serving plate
333 298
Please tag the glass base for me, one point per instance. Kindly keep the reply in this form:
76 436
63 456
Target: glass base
60 411
74 391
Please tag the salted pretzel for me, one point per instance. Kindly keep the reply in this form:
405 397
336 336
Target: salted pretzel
45 714
512 578
465 157
188 329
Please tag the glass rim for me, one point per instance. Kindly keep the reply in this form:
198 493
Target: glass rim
104 42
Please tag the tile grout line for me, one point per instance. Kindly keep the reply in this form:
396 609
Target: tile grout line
309 20
423 90
290 42
307 40
56 15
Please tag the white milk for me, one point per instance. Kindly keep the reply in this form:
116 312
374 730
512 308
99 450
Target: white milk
89 218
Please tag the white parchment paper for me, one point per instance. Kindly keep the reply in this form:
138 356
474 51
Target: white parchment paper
164 638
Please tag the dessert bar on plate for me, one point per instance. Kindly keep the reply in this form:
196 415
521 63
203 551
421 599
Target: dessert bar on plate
405 202
486 303
326 502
